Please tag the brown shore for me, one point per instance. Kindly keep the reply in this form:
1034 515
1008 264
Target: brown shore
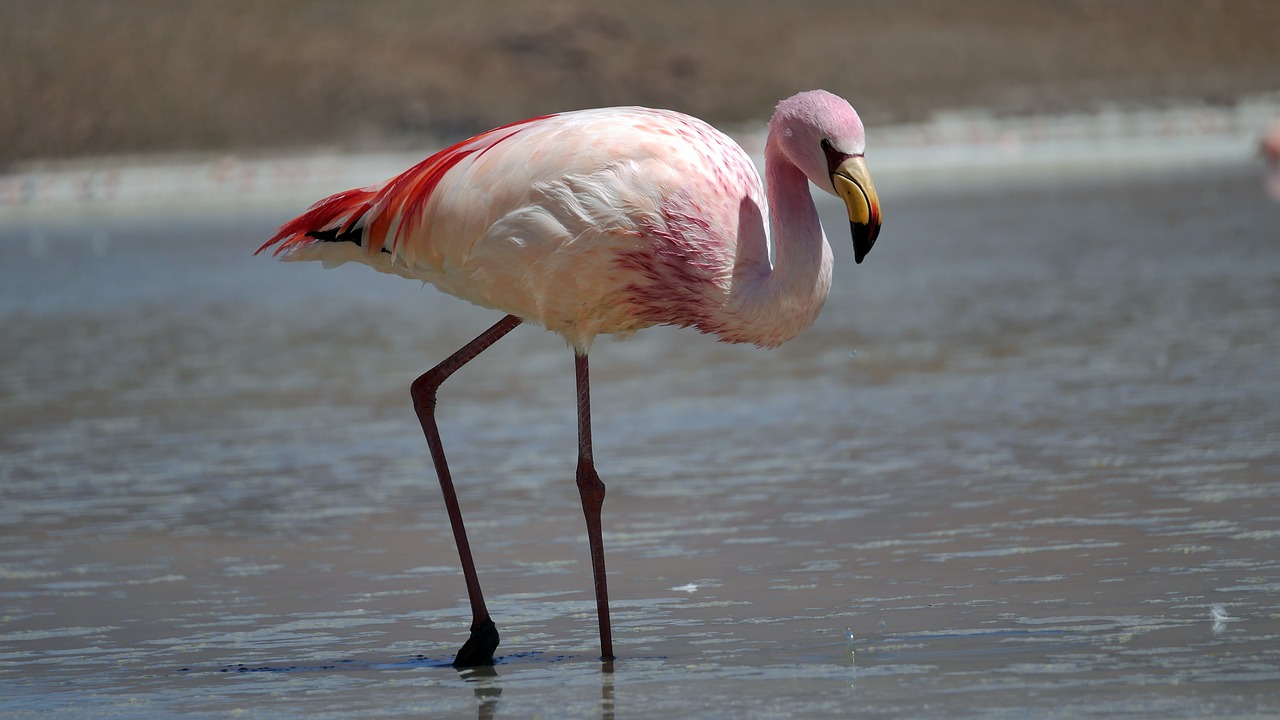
83 78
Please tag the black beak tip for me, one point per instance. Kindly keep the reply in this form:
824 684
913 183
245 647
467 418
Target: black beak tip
864 236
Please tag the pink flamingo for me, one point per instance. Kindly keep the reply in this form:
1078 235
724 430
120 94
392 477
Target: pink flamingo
1269 146
605 221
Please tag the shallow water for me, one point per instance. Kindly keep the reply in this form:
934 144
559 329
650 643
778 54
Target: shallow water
1056 449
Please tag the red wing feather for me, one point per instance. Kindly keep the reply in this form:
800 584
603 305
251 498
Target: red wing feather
399 202
335 212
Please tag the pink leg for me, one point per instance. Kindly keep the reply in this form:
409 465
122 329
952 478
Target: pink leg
592 492
478 650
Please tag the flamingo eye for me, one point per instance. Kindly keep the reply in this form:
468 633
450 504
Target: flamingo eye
834 157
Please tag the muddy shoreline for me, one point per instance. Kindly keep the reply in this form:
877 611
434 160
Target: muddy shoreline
84 78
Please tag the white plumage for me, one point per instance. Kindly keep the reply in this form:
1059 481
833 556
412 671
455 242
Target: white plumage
605 222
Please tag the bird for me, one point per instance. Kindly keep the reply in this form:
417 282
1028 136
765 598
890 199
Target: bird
605 222
1269 145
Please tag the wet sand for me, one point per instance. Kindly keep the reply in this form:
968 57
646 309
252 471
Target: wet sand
1057 447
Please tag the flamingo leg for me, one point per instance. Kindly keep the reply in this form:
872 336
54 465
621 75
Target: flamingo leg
591 489
478 650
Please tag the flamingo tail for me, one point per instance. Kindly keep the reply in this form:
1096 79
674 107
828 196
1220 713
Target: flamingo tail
337 218
378 218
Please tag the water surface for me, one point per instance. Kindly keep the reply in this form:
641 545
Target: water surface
1056 449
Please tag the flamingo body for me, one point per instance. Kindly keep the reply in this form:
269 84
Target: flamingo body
588 222
605 222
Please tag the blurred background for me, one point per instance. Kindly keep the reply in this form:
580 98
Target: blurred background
1046 485
86 78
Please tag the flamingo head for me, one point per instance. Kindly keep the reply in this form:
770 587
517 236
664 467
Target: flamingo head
822 135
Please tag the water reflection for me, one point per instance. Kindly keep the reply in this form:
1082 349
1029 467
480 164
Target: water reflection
487 689
606 690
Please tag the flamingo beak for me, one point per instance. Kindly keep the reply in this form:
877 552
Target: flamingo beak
852 182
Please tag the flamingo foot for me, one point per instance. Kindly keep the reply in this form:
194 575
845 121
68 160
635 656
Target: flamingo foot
478 649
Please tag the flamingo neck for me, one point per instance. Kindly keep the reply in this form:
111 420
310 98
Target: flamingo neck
782 300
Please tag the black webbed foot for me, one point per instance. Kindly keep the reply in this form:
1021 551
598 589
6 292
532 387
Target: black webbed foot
478 649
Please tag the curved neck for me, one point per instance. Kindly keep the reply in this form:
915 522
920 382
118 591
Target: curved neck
800 246
779 302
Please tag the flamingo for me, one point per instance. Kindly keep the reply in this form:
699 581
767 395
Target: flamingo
605 221
1269 146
